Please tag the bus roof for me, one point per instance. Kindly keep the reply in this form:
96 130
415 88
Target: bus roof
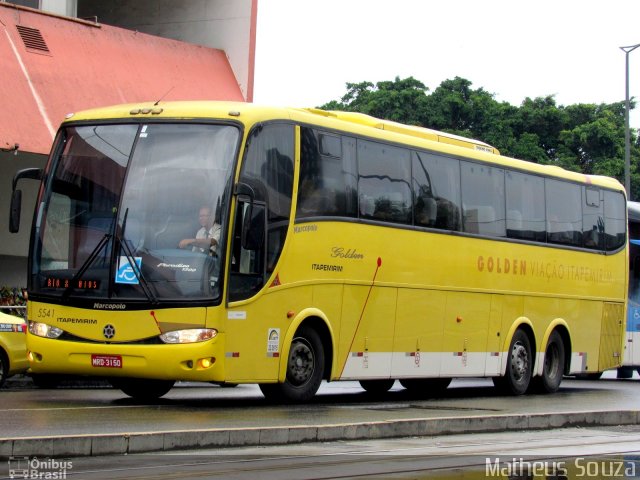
351 122
411 130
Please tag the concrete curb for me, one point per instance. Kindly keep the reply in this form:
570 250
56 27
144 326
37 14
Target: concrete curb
142 442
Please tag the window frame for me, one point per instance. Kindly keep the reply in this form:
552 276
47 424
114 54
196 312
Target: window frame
414 150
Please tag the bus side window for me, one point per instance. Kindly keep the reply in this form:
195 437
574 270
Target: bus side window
483 199
564 222
436 191
525 206
592 219
384 178
327 175
615 222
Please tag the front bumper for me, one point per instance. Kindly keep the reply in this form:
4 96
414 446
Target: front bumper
160 361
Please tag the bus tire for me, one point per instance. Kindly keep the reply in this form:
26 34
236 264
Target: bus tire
426 386
519 364
4 367
142 388
553 368
624 372
305 369
588 376
377 387
46 381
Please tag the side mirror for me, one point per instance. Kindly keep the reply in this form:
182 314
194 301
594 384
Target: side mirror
253 227
14 212
16 196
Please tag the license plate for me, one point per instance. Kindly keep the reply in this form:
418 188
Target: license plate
106 361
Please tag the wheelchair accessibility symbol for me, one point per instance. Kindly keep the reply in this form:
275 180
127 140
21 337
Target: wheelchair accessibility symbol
125 273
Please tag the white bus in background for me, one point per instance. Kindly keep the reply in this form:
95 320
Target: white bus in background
631 359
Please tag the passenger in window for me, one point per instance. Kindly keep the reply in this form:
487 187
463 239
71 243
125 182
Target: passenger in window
592 238
207 237
384 210
314 200
425 211
559 232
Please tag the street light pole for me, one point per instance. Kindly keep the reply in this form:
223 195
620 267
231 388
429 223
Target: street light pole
627 133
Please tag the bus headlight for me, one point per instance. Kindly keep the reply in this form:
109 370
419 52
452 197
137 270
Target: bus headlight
44 330
189 336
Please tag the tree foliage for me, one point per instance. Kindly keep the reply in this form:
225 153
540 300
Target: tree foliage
587 138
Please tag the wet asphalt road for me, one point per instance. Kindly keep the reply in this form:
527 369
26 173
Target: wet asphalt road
31 412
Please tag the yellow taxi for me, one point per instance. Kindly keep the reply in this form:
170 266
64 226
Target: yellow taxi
13 348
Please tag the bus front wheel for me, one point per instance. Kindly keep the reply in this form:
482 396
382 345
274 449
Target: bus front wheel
518 375
305 369
142 389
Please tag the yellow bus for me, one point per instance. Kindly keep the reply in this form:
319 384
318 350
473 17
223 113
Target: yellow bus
233 243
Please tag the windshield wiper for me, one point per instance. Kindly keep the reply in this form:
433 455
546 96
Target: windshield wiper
146 288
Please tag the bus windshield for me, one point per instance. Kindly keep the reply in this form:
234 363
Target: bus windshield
135 212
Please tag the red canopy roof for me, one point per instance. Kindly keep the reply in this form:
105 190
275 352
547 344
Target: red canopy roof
52 65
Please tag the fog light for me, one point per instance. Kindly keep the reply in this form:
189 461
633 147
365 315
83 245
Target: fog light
206 362
34 357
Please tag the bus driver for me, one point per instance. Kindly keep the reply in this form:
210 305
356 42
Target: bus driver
207 237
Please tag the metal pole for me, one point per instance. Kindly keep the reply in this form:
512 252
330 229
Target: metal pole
627 133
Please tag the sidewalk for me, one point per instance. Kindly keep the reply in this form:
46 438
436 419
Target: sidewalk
107 444
102 421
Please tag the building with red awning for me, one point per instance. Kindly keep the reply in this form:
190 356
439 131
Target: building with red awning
53 64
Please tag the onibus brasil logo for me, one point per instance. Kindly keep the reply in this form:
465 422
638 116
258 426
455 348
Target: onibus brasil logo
34 467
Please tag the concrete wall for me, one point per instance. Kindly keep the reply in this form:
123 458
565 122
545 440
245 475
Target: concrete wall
14 247
13 271
222 24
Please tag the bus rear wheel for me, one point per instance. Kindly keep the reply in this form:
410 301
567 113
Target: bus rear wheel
377 387
141 388
518 375
305 369
426 386
624 372
553 368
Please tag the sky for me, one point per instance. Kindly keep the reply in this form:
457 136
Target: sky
307 50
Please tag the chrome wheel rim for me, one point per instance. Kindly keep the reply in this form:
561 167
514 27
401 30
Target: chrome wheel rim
519 362
301 362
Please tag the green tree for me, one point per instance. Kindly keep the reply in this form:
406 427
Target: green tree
399 100
542 117
585 138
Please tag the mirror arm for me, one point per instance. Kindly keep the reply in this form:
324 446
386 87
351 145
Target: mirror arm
33 173
242 188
